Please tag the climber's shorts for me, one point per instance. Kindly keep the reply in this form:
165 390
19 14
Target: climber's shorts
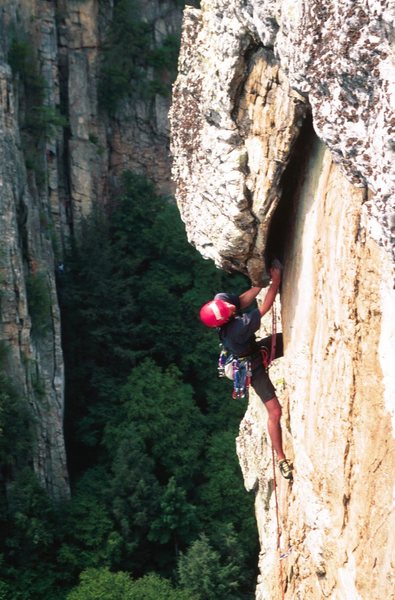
260 379
261 383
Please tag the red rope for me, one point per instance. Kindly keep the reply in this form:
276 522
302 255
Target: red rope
278 525
272 357
274 334
267 358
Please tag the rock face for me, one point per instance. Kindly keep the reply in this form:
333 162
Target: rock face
34 362
282 138
335 57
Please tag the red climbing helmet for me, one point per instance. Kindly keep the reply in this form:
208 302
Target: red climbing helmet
216 313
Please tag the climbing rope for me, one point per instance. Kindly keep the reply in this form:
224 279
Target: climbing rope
274 334
278 527
267 358
281 555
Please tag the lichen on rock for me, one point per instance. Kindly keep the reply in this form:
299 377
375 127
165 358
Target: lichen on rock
336 58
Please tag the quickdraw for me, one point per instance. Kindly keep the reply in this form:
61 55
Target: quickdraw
236 369
223 359
241 377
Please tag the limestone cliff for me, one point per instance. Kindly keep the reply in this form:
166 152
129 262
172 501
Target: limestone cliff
61 153
282 137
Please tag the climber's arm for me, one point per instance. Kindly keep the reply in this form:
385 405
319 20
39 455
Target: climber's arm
248 297
271 292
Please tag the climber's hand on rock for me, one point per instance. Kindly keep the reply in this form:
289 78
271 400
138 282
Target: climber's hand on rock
276 264
275 274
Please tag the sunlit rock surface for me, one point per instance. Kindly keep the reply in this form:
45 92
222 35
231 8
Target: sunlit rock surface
337 391
283 143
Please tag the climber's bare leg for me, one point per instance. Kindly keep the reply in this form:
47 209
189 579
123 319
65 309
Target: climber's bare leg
274 427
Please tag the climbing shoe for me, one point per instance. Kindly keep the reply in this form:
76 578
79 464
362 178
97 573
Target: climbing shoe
285 468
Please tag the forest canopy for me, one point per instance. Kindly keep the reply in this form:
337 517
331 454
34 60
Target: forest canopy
157 501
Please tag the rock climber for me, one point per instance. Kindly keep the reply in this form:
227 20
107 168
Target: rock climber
237 333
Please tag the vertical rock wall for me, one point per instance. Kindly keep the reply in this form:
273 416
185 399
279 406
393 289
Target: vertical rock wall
253 178
337 517
33 363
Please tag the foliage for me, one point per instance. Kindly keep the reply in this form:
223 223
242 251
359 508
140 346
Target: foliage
87 531
152 587
176 517
5 591
206 575
23 62
41 122
101 583
222 501
15 430
135 295
18 57
135 497
166 56
27 536
150 428
124 54
128 55
39 302
27 520
44 121
160 402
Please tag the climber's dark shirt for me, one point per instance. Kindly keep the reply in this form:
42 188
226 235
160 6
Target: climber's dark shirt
238 335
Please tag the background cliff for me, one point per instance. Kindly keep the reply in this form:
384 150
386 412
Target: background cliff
73 118
282 136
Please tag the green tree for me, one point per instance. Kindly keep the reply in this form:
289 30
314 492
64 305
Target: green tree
39 303
161 407
101 583
28 539
16 438
177 517
87 527
5 591
124 55
156 440
134 295
222 497
208 576
152 587
135 497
